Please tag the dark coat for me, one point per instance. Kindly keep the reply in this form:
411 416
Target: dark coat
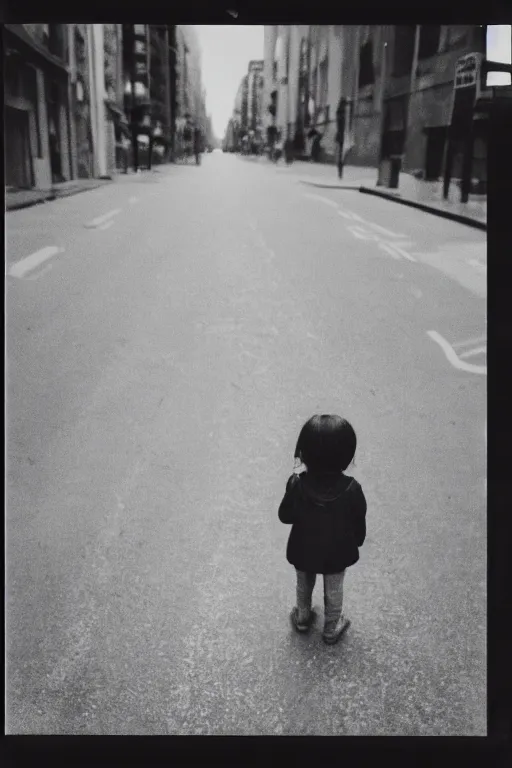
328 522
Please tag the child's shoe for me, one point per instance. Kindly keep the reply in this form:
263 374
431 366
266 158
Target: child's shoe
332 637
302 626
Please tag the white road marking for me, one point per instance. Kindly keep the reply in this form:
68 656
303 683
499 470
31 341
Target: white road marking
352 215
469 342
403 253
389 249
347 215
473 352
323 200
23 267
40 272
107 224
384 230
361 233
452 355
133 200
102 219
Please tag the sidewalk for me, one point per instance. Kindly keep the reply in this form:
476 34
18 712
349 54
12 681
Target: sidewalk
24 198
419 194
428 196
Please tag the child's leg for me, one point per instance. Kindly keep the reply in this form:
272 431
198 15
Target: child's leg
333 600
305 586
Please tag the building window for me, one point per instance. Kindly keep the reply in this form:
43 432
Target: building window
366 72
31 90
430 35
434 155
403 49
323 83
56 42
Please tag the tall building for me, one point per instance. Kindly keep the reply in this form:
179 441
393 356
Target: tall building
270 87
116 124
190 95
36 102
388 89
160 90
403 94
80 101
255 97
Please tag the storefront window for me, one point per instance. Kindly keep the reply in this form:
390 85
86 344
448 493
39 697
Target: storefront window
403 49
366 72
429 40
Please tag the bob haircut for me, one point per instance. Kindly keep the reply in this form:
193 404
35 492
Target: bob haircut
326 444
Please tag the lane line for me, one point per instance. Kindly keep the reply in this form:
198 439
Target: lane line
452 356
354 216
101 219
478 264
362 234
385 231
107 225
473 352
133 200
323 200
390 250
40 272
469 342
348 215
23 267
403 253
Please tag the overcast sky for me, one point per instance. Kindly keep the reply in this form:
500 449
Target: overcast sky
225 53
227 50
499 45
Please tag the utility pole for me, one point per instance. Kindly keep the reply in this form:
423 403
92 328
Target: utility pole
167 79
173 95
135 146
149 120
412 85
382 104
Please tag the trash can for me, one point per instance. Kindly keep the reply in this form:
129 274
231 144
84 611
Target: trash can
288 151
394 171
384 173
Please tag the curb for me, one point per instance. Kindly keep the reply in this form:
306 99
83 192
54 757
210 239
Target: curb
468 220
27 203
319 185
52 195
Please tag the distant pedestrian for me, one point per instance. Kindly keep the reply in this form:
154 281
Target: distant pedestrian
327 511
198 144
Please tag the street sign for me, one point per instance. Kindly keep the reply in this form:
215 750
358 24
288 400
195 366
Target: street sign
467 71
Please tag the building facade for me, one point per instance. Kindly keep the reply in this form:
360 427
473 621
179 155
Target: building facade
390 88
255 98
403 94
36 102
246 128
63 102
190 99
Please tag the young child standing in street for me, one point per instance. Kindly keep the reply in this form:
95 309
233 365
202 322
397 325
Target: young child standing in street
327 512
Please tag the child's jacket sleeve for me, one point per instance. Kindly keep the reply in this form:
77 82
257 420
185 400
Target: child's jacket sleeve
359 506
287 507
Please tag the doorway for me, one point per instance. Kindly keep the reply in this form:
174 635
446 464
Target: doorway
18 158
436 140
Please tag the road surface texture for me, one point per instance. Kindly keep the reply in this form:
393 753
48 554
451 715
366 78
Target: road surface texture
165 345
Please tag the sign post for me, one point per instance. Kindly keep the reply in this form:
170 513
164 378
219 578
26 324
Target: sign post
466 91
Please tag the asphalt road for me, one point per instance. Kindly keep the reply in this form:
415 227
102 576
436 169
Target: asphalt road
159 368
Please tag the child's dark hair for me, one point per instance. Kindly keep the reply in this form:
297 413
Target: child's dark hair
326 444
